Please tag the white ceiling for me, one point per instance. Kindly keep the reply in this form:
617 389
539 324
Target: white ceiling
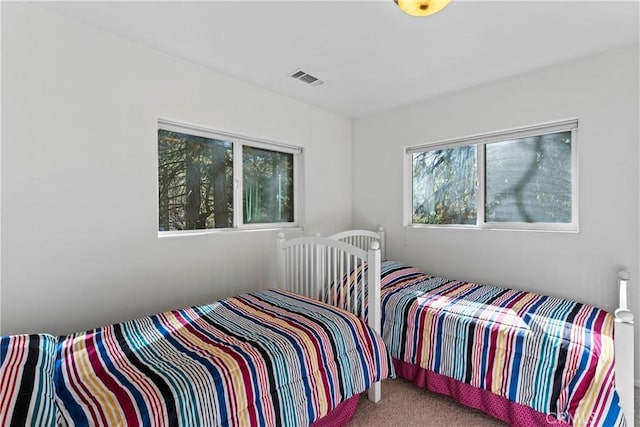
371 55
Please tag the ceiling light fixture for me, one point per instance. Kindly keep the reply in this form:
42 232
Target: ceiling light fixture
421 7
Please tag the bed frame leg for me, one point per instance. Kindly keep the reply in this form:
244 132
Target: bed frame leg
624 368
375 392
624 354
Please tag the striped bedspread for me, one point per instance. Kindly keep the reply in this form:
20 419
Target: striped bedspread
26 380
270 358
553 355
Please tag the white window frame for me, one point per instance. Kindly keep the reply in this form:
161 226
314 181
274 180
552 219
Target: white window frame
480 141
239 141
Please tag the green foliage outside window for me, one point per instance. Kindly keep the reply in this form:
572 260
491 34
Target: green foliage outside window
527 180
444 186
267 186
196 183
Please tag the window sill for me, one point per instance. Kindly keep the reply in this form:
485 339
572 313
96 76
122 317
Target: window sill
187 233
545 228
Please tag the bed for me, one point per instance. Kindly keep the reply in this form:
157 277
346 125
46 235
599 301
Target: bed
523 358
268 358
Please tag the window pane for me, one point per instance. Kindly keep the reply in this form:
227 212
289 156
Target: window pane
268 186
444 186
195 180
529 179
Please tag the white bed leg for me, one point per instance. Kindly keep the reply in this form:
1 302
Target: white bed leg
624 368
375 392
624 358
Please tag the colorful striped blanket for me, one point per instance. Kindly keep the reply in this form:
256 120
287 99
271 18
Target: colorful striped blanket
553 355
269 358
26 380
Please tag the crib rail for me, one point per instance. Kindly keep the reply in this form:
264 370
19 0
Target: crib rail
334 272
363 239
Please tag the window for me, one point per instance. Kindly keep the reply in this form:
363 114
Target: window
444 186
214 180
523 178
268 186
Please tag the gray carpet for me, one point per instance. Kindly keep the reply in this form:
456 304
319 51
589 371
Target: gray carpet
404 404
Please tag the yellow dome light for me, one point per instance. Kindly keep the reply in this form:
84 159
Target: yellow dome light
421 7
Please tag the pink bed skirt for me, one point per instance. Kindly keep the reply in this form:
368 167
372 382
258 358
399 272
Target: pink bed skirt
496 406
341 415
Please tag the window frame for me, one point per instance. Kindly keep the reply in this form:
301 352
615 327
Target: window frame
238 142
480 141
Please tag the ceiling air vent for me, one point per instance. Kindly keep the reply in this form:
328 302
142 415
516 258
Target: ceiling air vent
306 78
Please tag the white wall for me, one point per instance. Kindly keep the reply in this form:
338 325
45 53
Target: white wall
602 91
79 176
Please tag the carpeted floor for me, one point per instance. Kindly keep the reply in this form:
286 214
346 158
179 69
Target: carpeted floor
404 404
